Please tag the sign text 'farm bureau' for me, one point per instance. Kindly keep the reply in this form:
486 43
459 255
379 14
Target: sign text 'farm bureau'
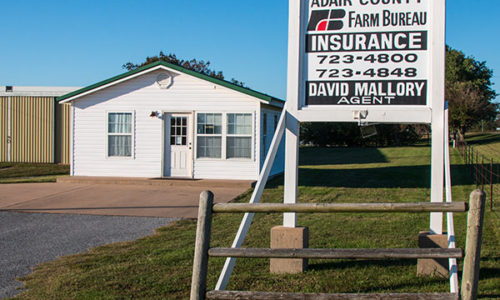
367 52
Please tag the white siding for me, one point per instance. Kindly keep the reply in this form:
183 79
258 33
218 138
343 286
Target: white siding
141 95
279 162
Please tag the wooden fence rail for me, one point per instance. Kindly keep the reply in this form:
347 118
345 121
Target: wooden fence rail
411 253
339 207
471 263
246 295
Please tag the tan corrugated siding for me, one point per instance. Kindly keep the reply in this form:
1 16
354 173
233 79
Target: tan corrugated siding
63 125
32 120
3 128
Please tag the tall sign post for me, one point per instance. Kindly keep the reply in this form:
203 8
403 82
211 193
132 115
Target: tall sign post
366 61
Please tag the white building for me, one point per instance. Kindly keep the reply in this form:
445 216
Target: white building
163 120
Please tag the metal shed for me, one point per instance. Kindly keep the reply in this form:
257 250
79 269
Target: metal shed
34 128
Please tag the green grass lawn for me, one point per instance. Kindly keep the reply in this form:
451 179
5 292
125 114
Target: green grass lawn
30 173
159 266
488 144
488 147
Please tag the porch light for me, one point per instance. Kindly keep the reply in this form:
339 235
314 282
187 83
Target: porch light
155 114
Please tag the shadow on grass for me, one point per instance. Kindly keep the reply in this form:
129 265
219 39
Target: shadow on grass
487 273
483 139
348 264
21 170
340 156
387 285
386 177
486 170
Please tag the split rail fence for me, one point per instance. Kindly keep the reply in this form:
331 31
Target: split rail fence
470 274
483 171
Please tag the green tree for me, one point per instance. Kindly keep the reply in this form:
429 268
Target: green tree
469 91
349 135
200 66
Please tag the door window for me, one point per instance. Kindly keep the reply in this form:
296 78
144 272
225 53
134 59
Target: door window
178 131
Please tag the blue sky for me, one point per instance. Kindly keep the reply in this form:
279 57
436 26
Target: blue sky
77 43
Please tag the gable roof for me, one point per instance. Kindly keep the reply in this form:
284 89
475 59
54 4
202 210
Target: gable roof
114 80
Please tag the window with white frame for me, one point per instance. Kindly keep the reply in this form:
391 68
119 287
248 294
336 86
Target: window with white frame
239 136
209 135
119 134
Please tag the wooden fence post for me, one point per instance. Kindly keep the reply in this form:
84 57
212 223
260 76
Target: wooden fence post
200 265
470 277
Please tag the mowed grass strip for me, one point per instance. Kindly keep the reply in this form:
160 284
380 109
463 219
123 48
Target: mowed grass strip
26 172
159 266
488 144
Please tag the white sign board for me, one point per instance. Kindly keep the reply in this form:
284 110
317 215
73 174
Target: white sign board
366 61
377 55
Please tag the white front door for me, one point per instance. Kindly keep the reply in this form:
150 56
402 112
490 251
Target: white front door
178 145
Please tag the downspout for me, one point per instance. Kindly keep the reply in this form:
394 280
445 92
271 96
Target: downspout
54 103
72 140
9 139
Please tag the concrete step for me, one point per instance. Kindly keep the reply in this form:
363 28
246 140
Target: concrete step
178 182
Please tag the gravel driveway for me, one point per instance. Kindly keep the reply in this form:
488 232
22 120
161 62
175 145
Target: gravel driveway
28 239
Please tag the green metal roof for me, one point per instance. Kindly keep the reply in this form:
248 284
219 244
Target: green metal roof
177 68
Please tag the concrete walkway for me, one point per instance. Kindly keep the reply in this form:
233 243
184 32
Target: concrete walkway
107 196
28 239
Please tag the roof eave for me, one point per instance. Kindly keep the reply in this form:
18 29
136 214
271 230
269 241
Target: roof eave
99 86
263 98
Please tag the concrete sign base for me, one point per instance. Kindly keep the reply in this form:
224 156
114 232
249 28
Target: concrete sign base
432 267
287 237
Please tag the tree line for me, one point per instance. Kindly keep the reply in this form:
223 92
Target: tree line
199 66
470 95
469 92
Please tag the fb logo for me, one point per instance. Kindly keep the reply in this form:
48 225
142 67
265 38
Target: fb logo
323 20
